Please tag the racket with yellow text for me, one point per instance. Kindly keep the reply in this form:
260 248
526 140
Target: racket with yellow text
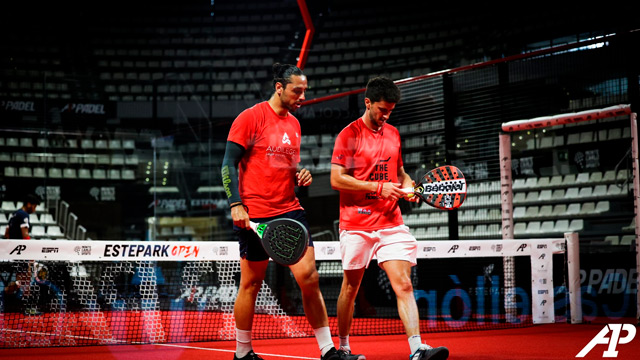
443 187
285 240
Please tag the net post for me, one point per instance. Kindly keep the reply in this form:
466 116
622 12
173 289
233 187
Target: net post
636 196
506 194
507 224
573 283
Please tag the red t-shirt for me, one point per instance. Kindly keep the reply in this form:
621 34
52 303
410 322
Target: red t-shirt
370 156
267 171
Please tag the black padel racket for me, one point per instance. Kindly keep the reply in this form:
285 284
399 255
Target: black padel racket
443 187
285 240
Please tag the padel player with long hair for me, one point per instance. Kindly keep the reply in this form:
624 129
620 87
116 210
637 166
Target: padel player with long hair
259 175
367 170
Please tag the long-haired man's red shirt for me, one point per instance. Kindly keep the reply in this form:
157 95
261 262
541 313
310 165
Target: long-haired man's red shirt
370 156
267 169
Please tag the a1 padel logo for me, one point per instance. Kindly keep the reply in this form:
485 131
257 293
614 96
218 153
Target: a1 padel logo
285 139
613 341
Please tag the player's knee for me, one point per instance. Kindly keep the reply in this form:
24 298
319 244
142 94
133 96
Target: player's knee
403 286
310 280
251 285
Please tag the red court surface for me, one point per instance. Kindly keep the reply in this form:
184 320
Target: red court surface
551 341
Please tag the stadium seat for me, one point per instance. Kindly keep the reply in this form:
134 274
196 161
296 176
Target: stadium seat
99 174
69 173
10 171
531 182
612 240
86 144
33 219
582 178
520 228
571 193
84 173
614 189
114 174
573 209
627 239
532 196
47 219
55 173
555 180
559 209
543 182
533 227
54 231
547 227
609 175
595 177
561 226
585 192
545 210
25 172
602 206
480 230
531 212
588 208
38 231
599 190
545 195
39 172
576 225
519 212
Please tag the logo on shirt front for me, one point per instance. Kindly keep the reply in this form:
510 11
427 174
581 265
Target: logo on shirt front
285 139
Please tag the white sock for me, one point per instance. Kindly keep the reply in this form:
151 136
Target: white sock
414 343
344 342
323 337
243 342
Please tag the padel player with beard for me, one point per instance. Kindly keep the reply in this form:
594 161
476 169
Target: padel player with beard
259 174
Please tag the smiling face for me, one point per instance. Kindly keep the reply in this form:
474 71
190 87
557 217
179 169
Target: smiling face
293 93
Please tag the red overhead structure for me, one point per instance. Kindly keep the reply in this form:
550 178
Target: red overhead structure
304 51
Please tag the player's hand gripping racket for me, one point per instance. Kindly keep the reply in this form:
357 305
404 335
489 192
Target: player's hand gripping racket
444 188
285 240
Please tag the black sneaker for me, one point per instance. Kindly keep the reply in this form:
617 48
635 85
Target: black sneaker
426 352
250 356
347 355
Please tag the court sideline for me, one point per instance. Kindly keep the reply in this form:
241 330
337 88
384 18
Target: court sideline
549 341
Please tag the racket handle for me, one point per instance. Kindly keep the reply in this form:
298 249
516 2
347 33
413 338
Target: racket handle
410 191
253 226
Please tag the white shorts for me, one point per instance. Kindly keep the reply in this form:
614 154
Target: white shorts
358 247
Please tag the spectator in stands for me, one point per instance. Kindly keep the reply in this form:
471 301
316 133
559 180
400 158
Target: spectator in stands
259 174
19 226
367 170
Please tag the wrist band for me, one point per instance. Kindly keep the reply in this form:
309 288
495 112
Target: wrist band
379 190
234 205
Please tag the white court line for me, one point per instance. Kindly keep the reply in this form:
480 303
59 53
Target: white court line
233 351
122 342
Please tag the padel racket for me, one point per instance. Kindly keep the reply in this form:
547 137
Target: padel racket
285 240
443 187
